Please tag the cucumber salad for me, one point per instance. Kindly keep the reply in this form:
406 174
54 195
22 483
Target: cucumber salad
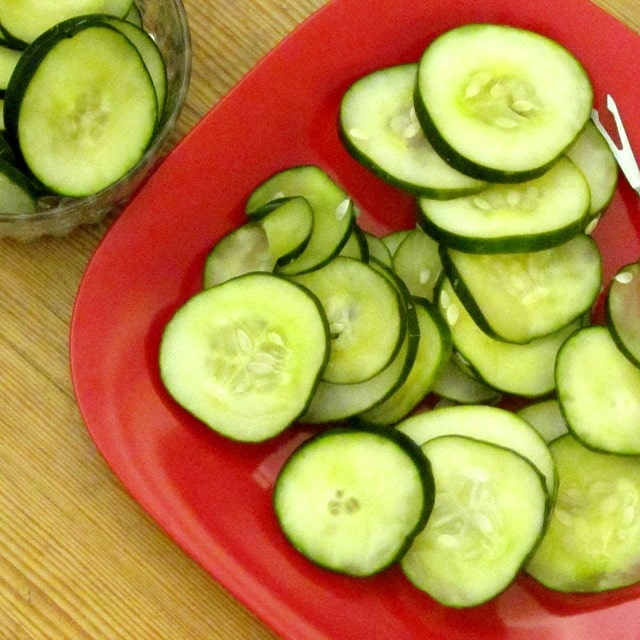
82 89
473 423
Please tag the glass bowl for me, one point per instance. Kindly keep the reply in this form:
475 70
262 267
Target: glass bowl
166 21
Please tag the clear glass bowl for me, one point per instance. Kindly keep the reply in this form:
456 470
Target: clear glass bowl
166 21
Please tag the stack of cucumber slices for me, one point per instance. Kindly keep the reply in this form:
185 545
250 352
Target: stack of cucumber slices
304 316
83 88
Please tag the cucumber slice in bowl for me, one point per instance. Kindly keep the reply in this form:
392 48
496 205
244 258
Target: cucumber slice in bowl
151 56
17 194
501 103
244 365
352 500
81 107
25 20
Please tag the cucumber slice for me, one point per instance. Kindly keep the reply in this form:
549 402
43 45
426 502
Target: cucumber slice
501 103
378 249
490 424
537 214
151 56
393 239
275 237
489 513
357 246
592 155
332 402
80 107
593 539
134 15
25 20
17 194
456 384
8 61
242 250
333 212
245 356
339 514
519 297
366 318
417 261
379 128
599 392
519 369
623 311
546 418
434 351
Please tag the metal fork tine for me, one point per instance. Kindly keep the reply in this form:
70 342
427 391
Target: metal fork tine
623 154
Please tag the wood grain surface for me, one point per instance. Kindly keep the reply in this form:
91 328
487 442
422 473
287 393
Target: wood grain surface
79 559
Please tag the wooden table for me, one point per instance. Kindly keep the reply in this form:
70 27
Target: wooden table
79 559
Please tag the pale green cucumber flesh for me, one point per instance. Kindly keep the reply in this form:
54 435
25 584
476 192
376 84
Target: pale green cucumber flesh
332 208
546 418
519 297
489 513
433 353
363 308
25 20
529 216
17 195
242 250
520 369
599 392
489 424
592 155
592 542
417 261
340 515
456 384
501 103
82 110
379 127
623 311
242 365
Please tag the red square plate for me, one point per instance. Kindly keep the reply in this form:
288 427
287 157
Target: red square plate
213 496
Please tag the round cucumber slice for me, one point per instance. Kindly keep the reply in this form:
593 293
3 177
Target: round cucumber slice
519 297
501 103
489 424
17 194
599 392
489 513
81 107
511 218
593 539
245 356
25 20
352 500
364 309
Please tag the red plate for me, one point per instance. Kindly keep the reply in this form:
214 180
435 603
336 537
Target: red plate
213 496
